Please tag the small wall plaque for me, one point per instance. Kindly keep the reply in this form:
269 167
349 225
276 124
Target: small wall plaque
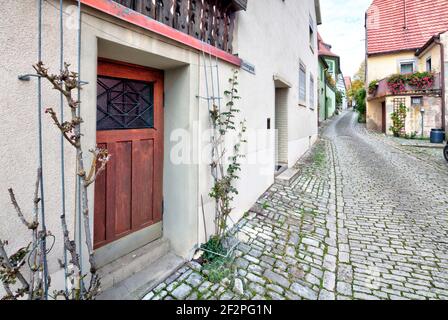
249 67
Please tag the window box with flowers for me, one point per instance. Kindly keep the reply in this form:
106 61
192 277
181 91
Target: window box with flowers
417 81
396 83
373 86
421 80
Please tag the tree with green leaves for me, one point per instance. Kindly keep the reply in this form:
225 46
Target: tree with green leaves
339 97
361 73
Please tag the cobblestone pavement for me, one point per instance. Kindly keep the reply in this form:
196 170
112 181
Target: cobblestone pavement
433 156
363 220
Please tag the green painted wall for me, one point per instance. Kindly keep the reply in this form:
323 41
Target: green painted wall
322 86
327 96
331 102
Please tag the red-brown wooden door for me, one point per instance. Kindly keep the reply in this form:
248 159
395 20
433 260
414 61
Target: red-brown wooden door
383 114
128 196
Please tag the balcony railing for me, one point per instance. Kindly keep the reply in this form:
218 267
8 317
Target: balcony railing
211 21
383 89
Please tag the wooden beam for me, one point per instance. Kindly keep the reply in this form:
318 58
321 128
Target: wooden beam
138 19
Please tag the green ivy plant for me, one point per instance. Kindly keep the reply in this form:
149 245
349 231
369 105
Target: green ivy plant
398 120
339 97
360 98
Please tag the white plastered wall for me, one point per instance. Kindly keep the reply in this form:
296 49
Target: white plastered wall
185 186
19 122
279 49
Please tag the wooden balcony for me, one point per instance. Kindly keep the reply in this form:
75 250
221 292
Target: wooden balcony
211 21
384 91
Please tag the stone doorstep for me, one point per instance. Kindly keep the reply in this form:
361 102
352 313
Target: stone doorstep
135 261
287 177
139 284
283 168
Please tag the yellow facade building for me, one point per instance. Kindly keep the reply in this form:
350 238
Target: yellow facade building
406 61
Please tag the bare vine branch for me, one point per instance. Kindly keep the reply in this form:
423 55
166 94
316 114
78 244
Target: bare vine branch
102 157
65 127
29 225
64 82
35 276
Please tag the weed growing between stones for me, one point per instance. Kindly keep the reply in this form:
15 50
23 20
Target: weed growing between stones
217 265
319 157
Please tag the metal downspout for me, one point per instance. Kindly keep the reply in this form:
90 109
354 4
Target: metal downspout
442 80
325 98
39 114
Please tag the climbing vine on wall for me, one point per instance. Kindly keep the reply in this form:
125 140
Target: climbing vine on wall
225 164
17 282
398 118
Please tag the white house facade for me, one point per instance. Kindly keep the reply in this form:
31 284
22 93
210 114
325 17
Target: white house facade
273 46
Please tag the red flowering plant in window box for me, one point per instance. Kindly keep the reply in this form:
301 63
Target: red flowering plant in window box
418 81
397 83
421 80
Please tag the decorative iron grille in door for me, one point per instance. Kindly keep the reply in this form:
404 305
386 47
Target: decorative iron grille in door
124 104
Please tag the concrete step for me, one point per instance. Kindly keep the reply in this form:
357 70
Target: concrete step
142 282
287 176
124 267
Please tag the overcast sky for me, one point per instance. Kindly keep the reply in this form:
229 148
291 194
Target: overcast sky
343 28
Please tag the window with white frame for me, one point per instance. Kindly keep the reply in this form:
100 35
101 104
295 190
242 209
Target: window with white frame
407 66
302 84
311 92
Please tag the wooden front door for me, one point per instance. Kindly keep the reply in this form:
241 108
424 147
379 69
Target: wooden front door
383 113
128 196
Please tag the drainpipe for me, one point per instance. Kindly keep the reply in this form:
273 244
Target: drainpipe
366 60
325 98
442 79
